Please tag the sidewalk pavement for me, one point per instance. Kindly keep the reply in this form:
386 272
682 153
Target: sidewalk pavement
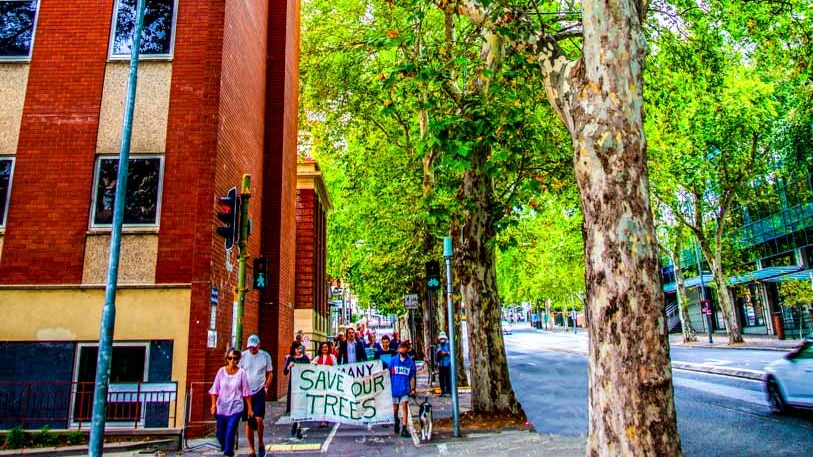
350 441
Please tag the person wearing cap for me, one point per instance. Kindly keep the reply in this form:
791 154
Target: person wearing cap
444 365
403 374
259 368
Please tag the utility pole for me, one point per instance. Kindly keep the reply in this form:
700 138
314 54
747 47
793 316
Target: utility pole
108 324
447 254
242 257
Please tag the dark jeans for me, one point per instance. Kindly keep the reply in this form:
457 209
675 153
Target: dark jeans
445 374
227 431
257 404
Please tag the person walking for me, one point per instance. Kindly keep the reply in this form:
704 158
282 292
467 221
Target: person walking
297 355
386 352
371 347
340 338
230 392
444 365
403 373
351 350
325 357
259 369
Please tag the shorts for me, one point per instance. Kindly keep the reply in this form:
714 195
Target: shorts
399 400
257 404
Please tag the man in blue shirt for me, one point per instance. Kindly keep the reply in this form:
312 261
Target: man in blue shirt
402 379
444 365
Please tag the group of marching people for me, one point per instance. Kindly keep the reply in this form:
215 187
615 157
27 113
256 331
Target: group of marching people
240 387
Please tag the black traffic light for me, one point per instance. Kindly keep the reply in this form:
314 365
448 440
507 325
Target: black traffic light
260 273
433 274
228 212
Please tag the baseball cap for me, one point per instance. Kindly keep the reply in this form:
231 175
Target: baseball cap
442 336
253 341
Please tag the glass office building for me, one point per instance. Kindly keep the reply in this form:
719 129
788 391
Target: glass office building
772 236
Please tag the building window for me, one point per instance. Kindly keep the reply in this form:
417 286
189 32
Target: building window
6 170
128 364
142 205
17 24
157 36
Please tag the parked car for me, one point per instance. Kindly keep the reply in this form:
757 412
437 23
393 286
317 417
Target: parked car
789 381
506 328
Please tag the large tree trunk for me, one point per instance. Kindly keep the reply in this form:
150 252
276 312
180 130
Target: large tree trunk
724 297
599 97
689 333
474 262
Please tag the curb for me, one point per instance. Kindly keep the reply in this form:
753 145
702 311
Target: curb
735 372
83 450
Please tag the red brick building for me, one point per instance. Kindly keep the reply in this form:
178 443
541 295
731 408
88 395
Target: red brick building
313 315
217 98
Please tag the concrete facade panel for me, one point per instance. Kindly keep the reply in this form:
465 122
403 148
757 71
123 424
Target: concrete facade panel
13 81
136 265
151 109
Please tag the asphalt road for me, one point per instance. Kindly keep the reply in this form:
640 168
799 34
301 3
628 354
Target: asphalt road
717 415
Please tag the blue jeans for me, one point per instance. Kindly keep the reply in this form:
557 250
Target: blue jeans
227 432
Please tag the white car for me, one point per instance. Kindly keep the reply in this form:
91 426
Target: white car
789 381
506 328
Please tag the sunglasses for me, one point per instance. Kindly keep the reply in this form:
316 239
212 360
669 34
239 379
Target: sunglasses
232 358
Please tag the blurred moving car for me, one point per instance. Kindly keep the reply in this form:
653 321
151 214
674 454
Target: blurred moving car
506 328
789 381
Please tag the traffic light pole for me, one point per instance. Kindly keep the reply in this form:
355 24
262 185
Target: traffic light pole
103 361
242 257
447 254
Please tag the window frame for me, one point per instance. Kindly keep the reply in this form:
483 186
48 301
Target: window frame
75 375
27 58
4 214
94 193
125 57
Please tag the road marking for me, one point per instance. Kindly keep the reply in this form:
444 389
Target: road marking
443 449
716 362
746 395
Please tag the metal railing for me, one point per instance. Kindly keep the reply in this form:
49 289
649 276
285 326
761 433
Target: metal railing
69 405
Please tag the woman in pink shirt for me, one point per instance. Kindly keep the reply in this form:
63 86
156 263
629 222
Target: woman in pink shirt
229 394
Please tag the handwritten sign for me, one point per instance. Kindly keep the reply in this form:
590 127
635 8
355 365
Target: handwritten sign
357 393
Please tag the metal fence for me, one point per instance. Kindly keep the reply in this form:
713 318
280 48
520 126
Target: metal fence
69 405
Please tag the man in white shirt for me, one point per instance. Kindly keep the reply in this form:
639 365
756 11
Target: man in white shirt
259 369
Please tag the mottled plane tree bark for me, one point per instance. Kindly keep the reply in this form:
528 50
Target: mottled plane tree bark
599 98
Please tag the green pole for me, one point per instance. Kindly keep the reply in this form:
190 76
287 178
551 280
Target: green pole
245 195
103 361
447 254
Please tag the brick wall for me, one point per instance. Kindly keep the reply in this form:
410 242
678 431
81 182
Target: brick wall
279 192
306 261
48 213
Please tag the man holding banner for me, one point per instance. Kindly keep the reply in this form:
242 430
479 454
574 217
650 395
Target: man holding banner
403 373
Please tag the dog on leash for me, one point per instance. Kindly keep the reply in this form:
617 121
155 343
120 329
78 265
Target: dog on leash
425 418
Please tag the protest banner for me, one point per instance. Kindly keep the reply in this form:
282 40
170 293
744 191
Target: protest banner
356 393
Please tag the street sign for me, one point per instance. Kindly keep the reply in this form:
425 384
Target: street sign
214 296
411 301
